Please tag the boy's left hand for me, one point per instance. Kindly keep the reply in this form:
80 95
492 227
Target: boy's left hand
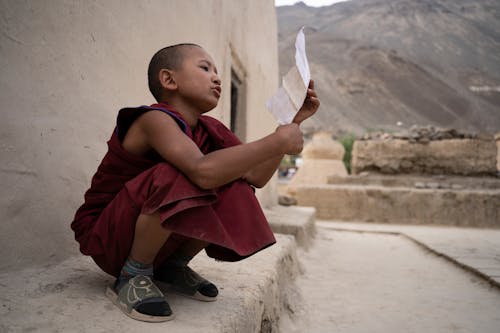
310 106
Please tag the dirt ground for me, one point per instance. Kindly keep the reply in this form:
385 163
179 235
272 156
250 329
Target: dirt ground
365 282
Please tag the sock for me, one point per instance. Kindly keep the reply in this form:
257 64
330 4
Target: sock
130 269
178 260
153 307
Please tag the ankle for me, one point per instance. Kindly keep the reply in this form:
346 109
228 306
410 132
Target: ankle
178 260
130 269
133 267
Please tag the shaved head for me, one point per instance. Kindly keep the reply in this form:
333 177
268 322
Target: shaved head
170 57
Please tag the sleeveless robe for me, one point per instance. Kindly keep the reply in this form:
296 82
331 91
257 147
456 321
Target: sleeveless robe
126 185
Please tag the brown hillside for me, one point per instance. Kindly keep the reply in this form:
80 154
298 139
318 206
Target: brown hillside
379 62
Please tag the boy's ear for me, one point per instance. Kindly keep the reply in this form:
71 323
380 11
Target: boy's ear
167 79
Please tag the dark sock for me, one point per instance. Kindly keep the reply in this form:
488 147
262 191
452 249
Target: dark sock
166 272
131 269
159 308
152 307
178 260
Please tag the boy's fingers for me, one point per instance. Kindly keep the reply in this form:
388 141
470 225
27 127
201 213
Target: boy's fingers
314 101
311 84
311 93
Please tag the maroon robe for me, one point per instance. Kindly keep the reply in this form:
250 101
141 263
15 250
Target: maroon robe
126 185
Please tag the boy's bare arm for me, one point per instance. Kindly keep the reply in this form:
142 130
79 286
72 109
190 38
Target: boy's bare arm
220 167
260 175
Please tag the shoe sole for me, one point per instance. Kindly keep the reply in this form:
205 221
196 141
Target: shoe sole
113 297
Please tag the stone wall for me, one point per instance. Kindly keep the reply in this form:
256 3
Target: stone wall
67 67
436 152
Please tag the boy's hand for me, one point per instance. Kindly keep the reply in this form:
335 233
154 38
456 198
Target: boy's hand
291 138
310 106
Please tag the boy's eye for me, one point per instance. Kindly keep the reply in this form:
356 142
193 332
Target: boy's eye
205 68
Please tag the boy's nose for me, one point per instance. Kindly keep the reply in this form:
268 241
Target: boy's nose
216 79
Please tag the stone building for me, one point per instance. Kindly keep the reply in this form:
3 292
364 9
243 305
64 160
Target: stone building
67 67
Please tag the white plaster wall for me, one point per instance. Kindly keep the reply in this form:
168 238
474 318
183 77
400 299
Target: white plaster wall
66 67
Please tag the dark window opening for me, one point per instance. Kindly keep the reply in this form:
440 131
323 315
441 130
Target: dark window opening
238 117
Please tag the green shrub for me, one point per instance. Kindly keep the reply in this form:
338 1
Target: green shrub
347 140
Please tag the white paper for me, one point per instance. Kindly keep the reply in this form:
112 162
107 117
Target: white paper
301 57
289 98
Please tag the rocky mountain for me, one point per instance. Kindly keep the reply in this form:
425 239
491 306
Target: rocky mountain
378 63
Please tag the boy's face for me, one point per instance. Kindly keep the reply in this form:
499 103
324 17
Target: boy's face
197 80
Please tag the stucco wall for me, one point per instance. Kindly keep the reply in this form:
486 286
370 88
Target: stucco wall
66 67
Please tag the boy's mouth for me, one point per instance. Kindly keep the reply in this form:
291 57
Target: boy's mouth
217 91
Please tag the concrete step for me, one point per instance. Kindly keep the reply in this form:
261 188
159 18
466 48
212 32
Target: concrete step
69 297
404 205
293 220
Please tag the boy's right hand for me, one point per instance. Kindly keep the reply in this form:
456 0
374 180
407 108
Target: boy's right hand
291 138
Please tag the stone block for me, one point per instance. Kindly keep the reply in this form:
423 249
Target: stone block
455 157
403 205
315 172
295 220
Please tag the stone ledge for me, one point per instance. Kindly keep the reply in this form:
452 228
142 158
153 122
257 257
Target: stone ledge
473 208
419 181
293 220
69 297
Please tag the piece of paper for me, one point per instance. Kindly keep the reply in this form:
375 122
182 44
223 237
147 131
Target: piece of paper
289 98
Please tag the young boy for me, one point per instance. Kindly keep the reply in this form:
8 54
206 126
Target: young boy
174 182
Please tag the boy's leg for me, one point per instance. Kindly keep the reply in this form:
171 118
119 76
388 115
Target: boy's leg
149 238
147 302
192 247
